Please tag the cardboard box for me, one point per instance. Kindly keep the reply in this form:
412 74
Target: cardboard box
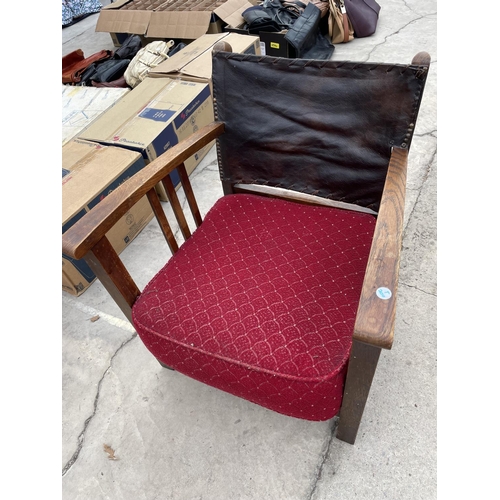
154 116
118 38
170 19
194 62
90 172
82 105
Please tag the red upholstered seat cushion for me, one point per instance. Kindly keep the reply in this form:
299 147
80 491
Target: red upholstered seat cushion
260 302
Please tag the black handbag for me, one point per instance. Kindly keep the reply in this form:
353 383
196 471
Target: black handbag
128 48
105 71
271 16
306 38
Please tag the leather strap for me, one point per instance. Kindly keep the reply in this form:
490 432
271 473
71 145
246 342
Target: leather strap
346 27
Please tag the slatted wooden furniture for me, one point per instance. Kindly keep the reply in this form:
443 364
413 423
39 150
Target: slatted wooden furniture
285 294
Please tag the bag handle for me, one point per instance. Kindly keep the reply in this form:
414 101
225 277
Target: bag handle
344 21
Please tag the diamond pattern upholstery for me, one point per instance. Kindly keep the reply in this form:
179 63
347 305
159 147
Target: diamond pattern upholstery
260 302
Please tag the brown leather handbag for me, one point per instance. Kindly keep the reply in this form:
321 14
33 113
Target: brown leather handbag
339 25
75 63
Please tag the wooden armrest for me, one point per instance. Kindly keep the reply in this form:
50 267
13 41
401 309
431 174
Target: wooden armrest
85 233
377 306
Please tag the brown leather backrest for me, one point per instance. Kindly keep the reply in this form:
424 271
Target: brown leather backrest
317 127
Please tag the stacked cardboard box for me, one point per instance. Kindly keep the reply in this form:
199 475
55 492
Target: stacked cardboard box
153 117
90 172
82 105
169 19
168 106
194 62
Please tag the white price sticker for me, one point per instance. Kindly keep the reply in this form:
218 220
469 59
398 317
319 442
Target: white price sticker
383 293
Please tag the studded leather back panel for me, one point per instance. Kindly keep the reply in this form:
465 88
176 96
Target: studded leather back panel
318 127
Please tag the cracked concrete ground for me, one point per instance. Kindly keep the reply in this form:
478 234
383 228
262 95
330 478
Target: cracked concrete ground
174 438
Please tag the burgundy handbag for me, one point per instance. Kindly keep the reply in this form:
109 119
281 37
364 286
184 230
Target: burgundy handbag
363 15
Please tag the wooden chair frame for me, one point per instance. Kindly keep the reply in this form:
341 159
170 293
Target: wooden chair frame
374 326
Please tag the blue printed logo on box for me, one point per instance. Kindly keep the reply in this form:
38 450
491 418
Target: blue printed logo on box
158 115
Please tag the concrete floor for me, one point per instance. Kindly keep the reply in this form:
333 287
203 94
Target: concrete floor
177 439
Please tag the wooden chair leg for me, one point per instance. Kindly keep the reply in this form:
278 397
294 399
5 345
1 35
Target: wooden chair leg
362 365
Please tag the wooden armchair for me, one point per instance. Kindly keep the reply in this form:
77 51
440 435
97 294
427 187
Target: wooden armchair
286 293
